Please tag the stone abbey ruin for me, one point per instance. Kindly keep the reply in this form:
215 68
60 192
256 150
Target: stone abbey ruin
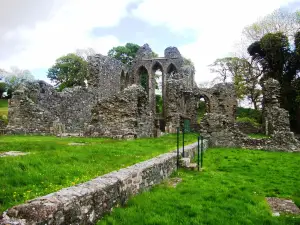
116 104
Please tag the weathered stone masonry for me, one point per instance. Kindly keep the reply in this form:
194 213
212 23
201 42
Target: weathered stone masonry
222 132
86 203
37 107
124 115
118 104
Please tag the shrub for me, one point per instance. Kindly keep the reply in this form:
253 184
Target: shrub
248 120
252 114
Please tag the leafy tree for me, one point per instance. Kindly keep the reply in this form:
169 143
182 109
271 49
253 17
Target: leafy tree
244 74
68 71
280 20
159 104
281 62
14 78
187 62
125 54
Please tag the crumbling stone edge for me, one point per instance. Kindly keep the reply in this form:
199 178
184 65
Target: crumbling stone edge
86 203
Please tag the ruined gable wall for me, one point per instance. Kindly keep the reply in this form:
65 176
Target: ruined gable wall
123 115
105 75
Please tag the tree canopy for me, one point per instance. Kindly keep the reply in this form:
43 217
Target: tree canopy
281 61
68 71
280 20
125 54
244 75
14 78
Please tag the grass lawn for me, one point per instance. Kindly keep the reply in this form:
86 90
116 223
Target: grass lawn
258 136
3 107
230 190
53 164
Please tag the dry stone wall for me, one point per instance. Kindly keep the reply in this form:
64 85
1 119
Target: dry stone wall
86 203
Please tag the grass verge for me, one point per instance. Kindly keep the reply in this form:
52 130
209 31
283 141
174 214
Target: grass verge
3 107
231 190
53 164
258 136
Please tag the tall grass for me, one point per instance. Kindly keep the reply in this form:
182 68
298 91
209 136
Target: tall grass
53 164
231 190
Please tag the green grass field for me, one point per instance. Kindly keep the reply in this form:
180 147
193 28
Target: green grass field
231 190
3 107
53 164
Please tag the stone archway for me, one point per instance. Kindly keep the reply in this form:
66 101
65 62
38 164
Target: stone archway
172 71
158 75
158 78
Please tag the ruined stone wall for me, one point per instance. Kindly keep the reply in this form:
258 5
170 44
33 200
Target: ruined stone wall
86 203
123 115
105 75
275 119
35 106
176 104
221 132
183 102
171 65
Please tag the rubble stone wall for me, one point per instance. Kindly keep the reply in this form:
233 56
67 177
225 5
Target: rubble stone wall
183 102
35 106
105 75
123 115
86 203
275 119
221 132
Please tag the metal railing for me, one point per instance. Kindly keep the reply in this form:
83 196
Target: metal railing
200 149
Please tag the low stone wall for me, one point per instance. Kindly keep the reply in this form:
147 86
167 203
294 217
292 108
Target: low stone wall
86 203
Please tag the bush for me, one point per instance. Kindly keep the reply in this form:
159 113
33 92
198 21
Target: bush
252 114
4 119
248 120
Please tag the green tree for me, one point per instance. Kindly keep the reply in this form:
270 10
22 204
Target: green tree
14 78
125 54
281 62
68 71
280 20
245 76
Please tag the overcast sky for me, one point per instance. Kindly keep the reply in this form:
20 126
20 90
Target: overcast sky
34 33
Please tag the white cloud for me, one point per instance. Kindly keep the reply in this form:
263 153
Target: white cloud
217 24
68 29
